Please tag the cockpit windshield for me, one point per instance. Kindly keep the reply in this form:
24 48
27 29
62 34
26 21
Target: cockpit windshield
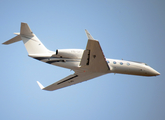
146 64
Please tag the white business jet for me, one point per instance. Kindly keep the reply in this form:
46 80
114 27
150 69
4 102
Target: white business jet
86 64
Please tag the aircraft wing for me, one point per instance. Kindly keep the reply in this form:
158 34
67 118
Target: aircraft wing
93 64
93 58
70 80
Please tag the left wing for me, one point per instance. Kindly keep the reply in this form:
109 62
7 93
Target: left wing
70 80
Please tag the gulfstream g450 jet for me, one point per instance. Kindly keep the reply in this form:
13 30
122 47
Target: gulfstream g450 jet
86 64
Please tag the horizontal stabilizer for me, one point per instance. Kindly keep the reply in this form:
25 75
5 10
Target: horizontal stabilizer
15 39
17 33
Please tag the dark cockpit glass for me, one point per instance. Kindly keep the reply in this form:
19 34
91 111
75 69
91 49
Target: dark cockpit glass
146 64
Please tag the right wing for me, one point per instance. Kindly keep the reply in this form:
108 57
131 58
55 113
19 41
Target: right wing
93 58
70 80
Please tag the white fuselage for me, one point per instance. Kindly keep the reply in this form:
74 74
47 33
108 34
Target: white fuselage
116 66
130 67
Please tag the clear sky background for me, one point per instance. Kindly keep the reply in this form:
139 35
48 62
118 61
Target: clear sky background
126 29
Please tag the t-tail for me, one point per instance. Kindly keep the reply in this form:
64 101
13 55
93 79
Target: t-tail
33 45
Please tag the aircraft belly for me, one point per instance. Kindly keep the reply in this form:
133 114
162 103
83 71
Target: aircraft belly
138 70
132 70
120 69
61 62
69 65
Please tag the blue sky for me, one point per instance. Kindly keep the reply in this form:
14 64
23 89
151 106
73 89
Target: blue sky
129 30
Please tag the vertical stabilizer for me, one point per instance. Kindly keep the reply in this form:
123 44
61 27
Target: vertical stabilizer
25 30
33 45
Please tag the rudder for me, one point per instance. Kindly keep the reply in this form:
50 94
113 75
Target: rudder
25 30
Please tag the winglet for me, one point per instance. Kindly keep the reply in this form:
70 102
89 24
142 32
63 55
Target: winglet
89 36
40 85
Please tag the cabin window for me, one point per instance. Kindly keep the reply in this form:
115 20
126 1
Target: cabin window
114 62
121 63
128 63
107 61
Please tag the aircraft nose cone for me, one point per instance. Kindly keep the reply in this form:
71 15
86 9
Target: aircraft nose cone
153 72
157 73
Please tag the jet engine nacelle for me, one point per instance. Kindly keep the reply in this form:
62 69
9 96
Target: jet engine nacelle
70 53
